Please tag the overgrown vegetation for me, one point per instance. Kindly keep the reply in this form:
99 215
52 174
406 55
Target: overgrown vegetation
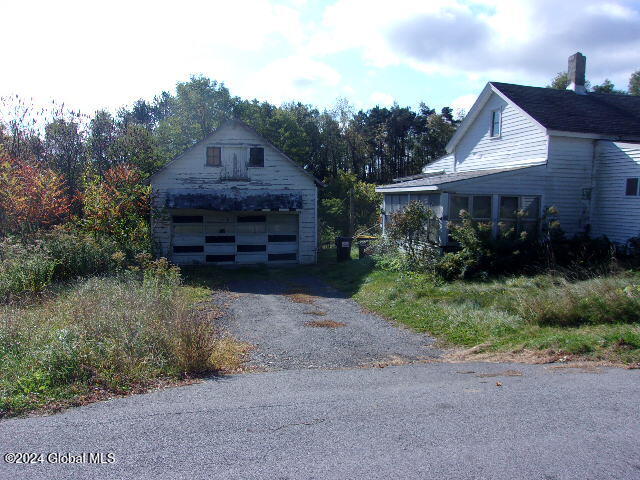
108 335
596 318
481 252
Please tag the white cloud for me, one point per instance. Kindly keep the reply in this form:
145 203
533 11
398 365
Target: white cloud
291 78
463 103
98 55
527 40
95 55
381 99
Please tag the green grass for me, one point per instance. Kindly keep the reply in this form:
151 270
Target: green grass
596 319
107 336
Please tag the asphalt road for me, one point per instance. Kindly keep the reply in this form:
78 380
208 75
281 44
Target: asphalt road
424 421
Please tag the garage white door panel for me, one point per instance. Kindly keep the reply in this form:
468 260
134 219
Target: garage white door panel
222 238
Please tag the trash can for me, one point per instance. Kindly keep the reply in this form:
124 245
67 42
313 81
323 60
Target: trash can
343 248
362 248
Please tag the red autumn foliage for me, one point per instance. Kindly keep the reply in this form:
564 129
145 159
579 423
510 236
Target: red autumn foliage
118 205
31 196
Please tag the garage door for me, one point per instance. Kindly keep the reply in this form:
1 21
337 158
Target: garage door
221 238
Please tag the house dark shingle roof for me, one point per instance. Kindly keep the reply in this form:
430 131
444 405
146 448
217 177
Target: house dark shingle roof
600 113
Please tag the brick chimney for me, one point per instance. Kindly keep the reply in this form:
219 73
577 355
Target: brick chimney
577 68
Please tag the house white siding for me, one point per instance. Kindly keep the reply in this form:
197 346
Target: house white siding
443 164
522 141
615 214
569 178
189 173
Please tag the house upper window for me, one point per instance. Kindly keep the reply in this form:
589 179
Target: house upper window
632 187
496 123
256 157
213 156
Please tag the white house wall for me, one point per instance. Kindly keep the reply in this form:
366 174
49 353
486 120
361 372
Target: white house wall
522 141
616 215
442 164
569 174
189 173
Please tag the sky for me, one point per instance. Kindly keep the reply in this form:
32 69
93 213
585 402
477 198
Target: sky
93 55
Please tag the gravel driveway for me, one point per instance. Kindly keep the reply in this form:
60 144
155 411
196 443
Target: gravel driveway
300 322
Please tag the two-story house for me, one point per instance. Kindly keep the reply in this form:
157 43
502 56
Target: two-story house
234 198
523 149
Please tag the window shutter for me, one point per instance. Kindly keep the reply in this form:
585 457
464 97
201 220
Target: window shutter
213 156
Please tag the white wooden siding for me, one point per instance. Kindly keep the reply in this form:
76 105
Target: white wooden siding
570 167
616 215
189 172
522 141
442 164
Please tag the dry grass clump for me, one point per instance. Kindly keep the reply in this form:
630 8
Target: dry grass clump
301 298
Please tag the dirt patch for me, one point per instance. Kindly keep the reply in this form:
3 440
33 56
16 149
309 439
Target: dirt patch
325 324
394 361
301 298
583 367
559 360
318 313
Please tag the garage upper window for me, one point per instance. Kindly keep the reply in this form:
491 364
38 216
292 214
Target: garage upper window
496 123
213 157
256 157
632 187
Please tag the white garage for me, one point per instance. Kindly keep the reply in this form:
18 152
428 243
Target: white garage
234 238
234 198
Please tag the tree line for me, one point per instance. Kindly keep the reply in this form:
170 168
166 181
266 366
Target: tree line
376 145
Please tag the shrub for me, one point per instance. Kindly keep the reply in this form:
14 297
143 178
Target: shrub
31 264
110 334
481 254
24 268
79 254
118 206
415 231
31 197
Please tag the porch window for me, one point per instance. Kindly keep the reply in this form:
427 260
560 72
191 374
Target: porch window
213 157
519 214
479 206
458 203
